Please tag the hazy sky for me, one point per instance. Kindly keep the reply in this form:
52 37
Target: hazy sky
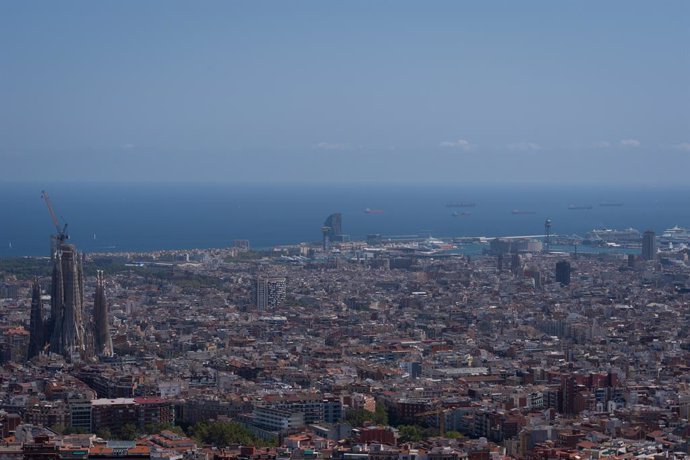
300 91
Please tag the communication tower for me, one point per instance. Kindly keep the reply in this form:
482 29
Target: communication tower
547 232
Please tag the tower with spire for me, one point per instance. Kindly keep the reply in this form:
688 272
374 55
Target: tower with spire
66 303
103 343
36 327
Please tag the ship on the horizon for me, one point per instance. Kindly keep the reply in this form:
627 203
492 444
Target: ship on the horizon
373 211
610 203
521 211
461 204
577 207
460 214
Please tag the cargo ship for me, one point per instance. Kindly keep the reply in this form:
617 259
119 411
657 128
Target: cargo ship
577 207
461 204
373 211
520 211
460 214
610 203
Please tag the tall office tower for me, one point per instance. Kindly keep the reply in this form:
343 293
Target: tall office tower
36 326
66 303
563 272
515 263
335 222
332 229
326 231
569 392
260 293
649 245
103 343
269 292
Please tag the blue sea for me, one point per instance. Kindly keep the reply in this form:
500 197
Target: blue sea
135 217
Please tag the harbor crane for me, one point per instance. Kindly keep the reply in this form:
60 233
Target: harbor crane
61 235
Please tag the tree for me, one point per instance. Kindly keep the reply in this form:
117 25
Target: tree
357 417
410 433
156 428
58 428
416 433
380 414
129 432
222 434
453 435
104 433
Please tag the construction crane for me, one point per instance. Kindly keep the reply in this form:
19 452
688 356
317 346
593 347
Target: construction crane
61 235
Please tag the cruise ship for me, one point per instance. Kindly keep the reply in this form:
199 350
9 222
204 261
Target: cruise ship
675 235
429 246
628 236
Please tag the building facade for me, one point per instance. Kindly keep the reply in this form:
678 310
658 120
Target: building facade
649 247
269 292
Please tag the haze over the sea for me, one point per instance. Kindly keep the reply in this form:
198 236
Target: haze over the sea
116 218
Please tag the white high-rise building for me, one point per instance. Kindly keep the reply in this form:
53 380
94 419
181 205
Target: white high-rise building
269 293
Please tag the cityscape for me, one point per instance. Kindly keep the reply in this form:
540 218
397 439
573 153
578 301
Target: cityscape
308 230
338 348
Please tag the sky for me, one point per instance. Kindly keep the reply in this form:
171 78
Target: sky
585 92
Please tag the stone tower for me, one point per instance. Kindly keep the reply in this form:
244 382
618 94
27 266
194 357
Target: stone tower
36 327
66 304
103 343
